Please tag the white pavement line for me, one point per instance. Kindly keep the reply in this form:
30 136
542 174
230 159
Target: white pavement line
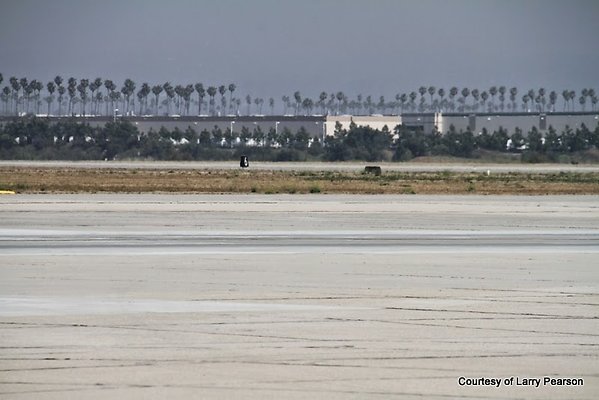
30 306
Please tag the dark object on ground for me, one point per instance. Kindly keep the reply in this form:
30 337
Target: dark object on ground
244 162
373 169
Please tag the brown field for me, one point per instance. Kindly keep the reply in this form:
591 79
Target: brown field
85 180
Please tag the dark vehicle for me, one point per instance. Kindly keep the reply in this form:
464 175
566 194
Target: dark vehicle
244 162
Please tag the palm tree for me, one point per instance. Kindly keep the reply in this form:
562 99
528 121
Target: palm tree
145 91
413 97
502 96
513 94
453 92
82 88
484 96
180 91
15 86
381 105
331 102
72 90
402 100
201 94
26 91
475 95
339 96
58 80
39 86
261 104
93 86
525 100
465 94
572 98
591 94
222 89
441 93
6 98
35 88
128 89
352 105
298 100
493 93
140 97
24 98
257 103
307 105
99 99
271 104
321 99
110 87
531 94
187 92
51 88
431 92
211 93
359 105
422 91
566 97
156 90
286 104
169 90
248 100
541 97
584 92
552 100
583 100
232 88
61 92
115 96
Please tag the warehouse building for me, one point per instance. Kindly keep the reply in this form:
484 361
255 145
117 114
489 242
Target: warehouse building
322 126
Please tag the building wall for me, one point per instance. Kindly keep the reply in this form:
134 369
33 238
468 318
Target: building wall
321 126
425 121
313 125
492 122
372 121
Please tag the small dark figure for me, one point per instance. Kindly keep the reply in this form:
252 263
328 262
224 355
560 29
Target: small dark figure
373 169
244 162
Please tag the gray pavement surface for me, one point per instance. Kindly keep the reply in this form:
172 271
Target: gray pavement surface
297 296
314 166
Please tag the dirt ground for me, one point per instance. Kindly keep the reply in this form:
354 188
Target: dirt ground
46 178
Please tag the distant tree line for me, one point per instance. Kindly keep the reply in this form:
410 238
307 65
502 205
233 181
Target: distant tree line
34 138
100 96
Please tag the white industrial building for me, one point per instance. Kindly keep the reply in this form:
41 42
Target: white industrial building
321 126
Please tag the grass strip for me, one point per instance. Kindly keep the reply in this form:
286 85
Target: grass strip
85 180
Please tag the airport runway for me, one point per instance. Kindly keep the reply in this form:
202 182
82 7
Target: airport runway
312 166
297 296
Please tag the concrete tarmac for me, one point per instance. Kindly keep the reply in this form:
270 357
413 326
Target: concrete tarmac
351 166
298 296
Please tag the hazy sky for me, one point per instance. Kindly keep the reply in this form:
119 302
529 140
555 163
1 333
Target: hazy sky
274 47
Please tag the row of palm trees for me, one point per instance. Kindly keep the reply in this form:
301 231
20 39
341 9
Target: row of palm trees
103 97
